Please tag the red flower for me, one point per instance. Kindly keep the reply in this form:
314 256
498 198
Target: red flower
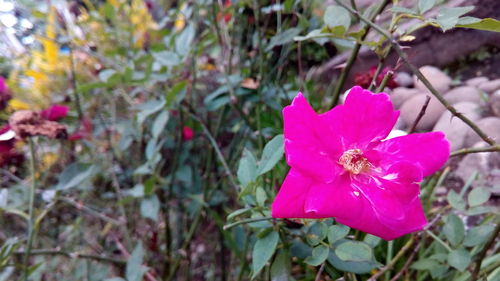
364 79
55 112
187 133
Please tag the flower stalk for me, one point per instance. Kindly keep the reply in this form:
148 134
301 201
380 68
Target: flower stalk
31 215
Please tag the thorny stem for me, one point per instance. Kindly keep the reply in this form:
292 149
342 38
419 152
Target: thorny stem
31 206
354 54
475 150
56 252
483 252
420 114
419 74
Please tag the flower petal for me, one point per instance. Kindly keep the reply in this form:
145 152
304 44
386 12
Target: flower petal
337 199
304 148
430 151
289 203
364 117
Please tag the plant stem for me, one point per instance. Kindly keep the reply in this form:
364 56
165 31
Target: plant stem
434 236
231 225
419 74
475 150
31 221
401 252
56 252
354 54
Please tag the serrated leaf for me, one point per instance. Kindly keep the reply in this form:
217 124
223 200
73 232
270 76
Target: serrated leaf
425 264
319 255
337 16
247 169
454 229
273 151
354 251
425 5
263 250
184 40
487 24
455 200
280 269
448 17
459 259
478 196
336 232
478 235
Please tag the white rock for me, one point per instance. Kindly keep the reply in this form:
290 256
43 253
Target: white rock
474 82
404 79
400 95
454 128
464 93
411 108
490 86
440 80
489 125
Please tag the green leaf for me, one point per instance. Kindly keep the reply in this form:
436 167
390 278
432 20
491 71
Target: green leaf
263 250
448 17
336 232
280 269
459 259
160 123
273 151
135 270
454 229
316 233
354 251
425 5
260 196
247 170
316 33
425 264
478 235
479 210
148 108
238 212
372 240
150 207
74 175
105 75
487 24
183 42
319 255
455 200
167 58
478 196
337 16
283 38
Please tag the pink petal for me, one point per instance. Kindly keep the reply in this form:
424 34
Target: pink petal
430 151
369 222
289 203
304 147
55 112
337 199
363 118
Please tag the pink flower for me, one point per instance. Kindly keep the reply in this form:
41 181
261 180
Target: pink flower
84 131
342 167
187 133
55 112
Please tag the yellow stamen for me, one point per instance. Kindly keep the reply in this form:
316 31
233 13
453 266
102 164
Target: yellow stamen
353 161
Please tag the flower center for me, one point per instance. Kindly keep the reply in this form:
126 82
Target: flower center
353 161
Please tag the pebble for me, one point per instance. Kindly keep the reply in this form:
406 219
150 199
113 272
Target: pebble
404 79
400 95
454 128
489 125
440 80
411 108
490 86
494 103
484 163
476 81
464 93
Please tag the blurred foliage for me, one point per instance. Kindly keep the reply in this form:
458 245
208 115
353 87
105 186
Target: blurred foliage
136 198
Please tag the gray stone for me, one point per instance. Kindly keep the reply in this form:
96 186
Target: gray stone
404 79
464 93
485 164
411 108
489 125
400 95
454 128
436 77
494 103
490 86
476 81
